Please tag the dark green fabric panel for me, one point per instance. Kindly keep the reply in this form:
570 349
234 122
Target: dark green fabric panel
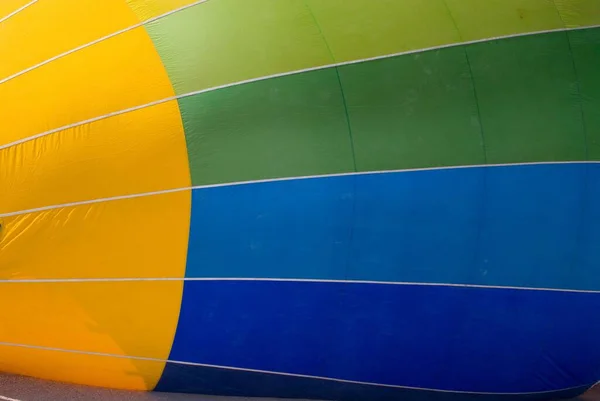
283 127
413 111
586 53
528 99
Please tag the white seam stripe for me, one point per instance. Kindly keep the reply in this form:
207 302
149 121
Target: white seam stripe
84 46
322 67
8 398
18 10
88 121
102 354
228 184
292 280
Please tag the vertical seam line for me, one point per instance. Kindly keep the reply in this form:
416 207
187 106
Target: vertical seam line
584 203
339 78
471 75
577 82
484 189
351 137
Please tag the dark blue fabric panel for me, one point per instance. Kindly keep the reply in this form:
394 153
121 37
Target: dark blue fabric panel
525 226
435 337
234 383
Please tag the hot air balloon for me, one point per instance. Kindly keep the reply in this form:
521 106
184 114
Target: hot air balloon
328 199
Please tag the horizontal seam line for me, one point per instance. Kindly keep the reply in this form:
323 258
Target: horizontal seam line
102 354
279 75
293 280
96 41
18 10
250 182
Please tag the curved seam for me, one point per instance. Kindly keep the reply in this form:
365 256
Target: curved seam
297 280
477 252
141 358
99 40
484 189
351 139
88 121
472 77
248 81
339 79
482 204
577 81
269 180
312 68
167 76
17 11
479 228
585 187
189 208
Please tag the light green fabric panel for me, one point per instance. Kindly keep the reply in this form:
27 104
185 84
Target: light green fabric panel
228 41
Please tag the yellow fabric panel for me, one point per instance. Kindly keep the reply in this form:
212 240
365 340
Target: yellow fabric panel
31 36
81 369
115 74
131 153
578 13
136 152
9 6
120 318
139 237
146 9
477 20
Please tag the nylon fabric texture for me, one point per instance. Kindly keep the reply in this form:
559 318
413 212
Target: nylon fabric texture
330 199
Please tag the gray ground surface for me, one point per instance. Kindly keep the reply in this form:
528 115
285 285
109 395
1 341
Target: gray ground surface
592 395
16 388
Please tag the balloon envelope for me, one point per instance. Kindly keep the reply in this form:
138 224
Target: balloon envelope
328 199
